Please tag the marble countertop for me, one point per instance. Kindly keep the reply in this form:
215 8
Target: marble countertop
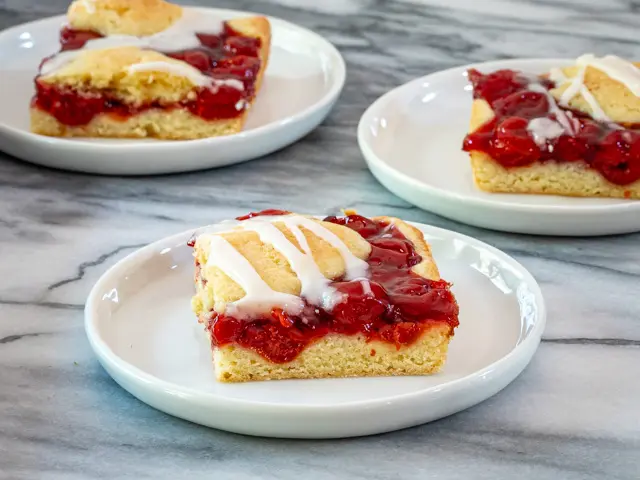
573 414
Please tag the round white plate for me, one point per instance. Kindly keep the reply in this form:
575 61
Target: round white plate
302 82
140 325
412 137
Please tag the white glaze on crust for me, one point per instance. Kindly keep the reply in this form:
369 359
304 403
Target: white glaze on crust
185 70
315 287
179 36
615 67
259 297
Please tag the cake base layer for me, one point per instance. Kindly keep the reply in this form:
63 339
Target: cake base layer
573 179
173 124
339 356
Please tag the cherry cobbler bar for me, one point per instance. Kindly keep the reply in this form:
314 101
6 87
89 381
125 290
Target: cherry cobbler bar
290 296
573 131
148 68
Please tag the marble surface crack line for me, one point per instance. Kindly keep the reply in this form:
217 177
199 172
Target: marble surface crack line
56 305
611 342
15 338
82 269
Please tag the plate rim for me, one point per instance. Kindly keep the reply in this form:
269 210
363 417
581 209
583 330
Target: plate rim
330 96
109 359
374 161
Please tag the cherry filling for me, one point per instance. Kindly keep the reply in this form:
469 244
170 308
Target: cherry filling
395 305
228 56
267 212
611 150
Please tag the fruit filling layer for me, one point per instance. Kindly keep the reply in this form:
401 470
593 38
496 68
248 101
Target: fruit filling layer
393 305
227 58
529 127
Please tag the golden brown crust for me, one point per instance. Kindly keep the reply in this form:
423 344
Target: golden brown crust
270 264
172 124
339 356
614 98
109 70
574 179
123 17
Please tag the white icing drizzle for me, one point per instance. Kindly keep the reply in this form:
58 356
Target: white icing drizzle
259 297
596 111
615 67
179 36
544 129
366 287
354 267
182 69
315 287
565 119
575 87
557 76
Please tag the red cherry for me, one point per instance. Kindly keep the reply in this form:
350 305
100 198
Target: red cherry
67 106
71 39
242 46
495 85
512 146
618 157
570 149
580 146
481 139
210 41
240 66
522 104
220 103
196 58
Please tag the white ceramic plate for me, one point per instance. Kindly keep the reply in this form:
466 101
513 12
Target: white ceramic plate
303 80
140 325
411 139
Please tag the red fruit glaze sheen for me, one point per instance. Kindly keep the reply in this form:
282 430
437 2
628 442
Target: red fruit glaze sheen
71 39
226 56
402 304
613 152
267 212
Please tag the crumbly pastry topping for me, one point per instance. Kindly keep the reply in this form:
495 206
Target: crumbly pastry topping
606 88
123 17
278 259
123 72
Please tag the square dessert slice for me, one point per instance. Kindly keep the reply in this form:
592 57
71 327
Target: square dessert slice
289 296
570 132
147 68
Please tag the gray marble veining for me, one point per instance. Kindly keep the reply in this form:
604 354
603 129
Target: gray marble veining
573 414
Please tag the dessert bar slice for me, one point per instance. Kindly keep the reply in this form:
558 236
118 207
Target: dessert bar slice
289 296
570 132
148 68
